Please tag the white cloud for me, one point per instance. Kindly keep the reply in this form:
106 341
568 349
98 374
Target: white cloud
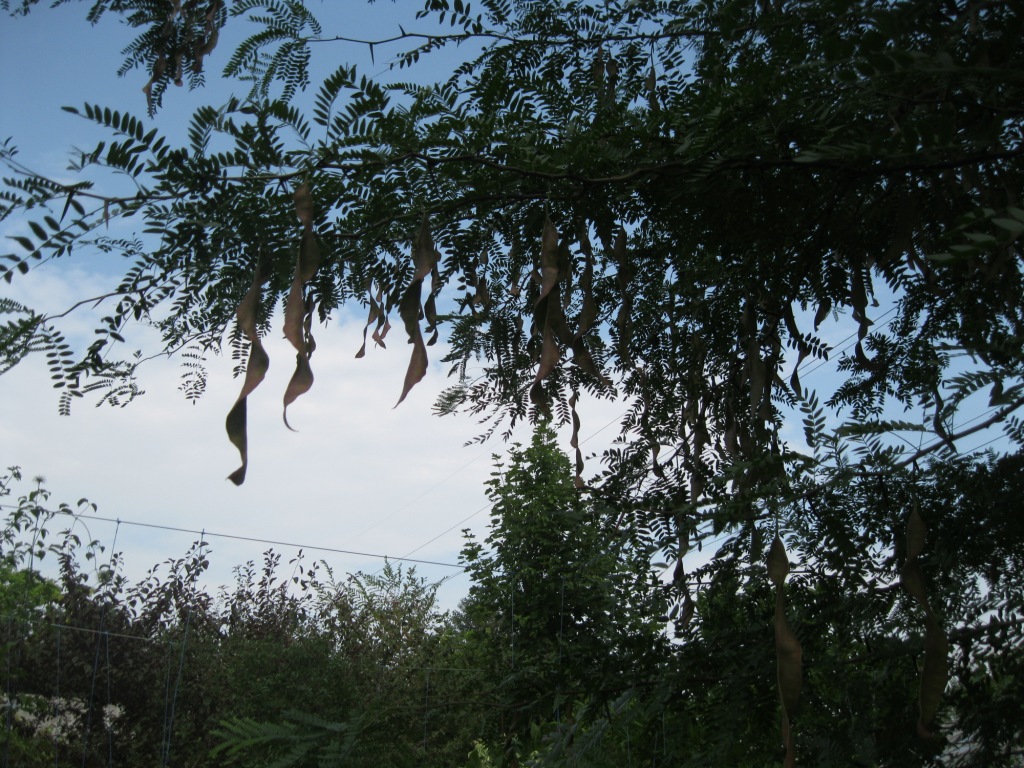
359 474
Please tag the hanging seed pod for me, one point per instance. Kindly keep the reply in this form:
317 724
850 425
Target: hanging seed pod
256 368
789 654
424 257
298 309
597 68
651 87
934 669
547 314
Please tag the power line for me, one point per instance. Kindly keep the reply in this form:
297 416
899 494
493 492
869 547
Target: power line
169 638
977 448
489 505
447 530
79 517
238 537
88 630
416 498
826 361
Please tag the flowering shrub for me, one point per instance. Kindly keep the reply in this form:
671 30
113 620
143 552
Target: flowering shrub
42 727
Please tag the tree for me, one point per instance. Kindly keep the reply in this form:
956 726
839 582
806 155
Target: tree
667 202
275 670
563 607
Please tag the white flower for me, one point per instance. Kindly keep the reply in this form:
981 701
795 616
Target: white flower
24 717
111 713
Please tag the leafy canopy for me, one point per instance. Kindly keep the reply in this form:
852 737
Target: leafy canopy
678 204
562 605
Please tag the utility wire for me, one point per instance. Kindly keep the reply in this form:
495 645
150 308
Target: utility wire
447 530
314 547
87 630
408 556
977 448
487 506
237 537
416 498
142 638
842 349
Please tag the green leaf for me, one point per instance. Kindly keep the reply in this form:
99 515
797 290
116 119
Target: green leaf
1013 226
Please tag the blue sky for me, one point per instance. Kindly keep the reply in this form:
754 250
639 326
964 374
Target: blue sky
358 475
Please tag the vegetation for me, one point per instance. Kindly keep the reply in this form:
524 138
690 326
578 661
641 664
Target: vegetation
562 609
677 204
103 672
550 660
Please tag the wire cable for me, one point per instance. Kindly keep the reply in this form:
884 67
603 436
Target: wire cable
96 661
843 349
491 504
238 537
416 498
442 533
181 662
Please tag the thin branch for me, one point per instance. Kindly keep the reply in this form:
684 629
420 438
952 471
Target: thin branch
999 416
657 169
596 41
964 633
94 300
170 351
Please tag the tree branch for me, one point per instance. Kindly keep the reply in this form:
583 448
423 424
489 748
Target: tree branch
596 41
994 419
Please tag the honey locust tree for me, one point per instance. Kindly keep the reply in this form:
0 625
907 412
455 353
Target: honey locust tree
684 205
562 611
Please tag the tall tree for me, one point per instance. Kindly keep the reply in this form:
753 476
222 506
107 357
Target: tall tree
563 607
668 202
296 668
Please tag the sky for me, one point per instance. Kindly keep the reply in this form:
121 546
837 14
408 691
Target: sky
359 474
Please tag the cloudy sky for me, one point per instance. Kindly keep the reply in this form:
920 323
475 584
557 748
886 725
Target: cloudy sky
359 474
